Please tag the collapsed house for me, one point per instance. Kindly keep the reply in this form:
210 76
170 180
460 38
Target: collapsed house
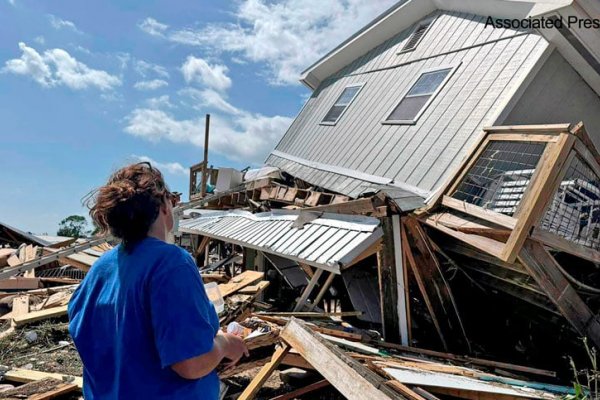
442 179
432 213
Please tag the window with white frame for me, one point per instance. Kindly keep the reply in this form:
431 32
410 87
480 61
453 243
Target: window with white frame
419 96
416 36
340 105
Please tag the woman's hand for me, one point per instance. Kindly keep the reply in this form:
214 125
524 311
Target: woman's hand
233 346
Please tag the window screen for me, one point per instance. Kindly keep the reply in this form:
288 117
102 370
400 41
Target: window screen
499 177
574 212
418 95
416 36
341 103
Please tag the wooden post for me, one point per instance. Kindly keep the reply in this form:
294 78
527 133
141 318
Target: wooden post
309 288
205 162
434 288
388 284
322 291
402 284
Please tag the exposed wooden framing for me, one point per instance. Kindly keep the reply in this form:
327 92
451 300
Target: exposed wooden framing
347 375
551 168
562 244
308 290
308 270
528 129
252 389
202 246
538 194
322 291
543 268
522 137
388 284
475 152
488 215
434 288
482 243
360 206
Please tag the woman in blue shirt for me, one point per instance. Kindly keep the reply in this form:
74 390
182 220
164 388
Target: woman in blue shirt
141 320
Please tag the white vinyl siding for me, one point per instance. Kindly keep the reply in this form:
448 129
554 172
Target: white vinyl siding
340 105
419 96
492 63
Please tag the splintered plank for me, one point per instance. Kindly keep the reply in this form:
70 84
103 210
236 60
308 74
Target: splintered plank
544 270
56 392
39 315
347 375
433 286
264 374
26 375
240 281
47 388
20 306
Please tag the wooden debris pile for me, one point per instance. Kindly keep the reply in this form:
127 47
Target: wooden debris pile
380 370
36 284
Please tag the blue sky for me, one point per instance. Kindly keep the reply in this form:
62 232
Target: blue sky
88 86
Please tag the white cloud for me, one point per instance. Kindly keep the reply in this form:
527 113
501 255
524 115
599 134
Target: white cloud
31 63
198 70
288 35
145 68
153 27
159 102
150 85
247 138
173 168
57 67
58 23
11 2
208 98
40 40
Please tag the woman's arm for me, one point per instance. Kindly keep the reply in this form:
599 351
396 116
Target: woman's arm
225 346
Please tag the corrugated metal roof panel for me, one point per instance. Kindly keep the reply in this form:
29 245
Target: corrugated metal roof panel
329 241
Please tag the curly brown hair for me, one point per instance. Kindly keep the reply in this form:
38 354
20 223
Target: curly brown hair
129 203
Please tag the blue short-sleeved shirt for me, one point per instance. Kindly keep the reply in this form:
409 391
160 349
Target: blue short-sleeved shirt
135 314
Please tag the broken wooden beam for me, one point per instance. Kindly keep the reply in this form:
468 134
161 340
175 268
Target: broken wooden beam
264 374
544 269
347 375
388 284
434 287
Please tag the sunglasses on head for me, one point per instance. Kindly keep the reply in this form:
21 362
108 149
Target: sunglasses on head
173 197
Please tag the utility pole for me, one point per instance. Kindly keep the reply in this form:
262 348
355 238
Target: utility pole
205 162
